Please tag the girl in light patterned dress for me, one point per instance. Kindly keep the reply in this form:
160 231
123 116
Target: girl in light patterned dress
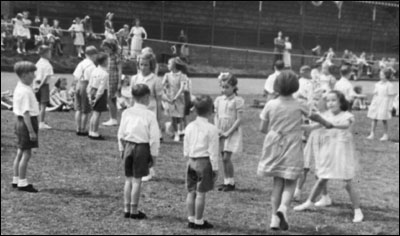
382 103
228 118
334 153
282 155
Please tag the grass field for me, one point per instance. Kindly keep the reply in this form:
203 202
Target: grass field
81 183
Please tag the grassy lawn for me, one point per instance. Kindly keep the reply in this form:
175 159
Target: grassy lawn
81 184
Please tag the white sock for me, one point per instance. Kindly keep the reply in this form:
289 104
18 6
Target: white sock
15 180
226 181
199 222
22 182
191 219
231 181
357 211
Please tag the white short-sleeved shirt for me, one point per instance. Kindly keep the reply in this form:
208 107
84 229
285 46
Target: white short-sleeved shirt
202 140
306 90
269 84
84 70
99 80
139 125
44 69
24 100
344 86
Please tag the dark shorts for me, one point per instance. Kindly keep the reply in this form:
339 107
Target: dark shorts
21 130
101 104
137 158
43 95
188 103
81 98
199 176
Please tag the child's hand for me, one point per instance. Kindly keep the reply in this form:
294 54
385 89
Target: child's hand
151 162
33 136
329 125
215 176
224 135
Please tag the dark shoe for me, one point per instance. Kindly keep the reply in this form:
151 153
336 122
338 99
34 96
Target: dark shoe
191 225
206 225
229 188
127 214
139 216
221 187
283 225
14 185
29 188
96 138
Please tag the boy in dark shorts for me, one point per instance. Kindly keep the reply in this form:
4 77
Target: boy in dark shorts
139 142
26 109
201 147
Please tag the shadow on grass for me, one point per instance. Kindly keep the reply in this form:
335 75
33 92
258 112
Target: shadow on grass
371 213
249 190
174 181
77 193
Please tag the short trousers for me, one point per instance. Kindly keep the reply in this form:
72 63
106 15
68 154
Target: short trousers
21 130
137 159
81 98
101 104
199 175
43 95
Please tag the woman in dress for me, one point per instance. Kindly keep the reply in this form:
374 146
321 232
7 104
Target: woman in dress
286 54
109 32
77 31
137 32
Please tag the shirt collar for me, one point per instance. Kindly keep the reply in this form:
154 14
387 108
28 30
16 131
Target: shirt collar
230 97
140 106
202 119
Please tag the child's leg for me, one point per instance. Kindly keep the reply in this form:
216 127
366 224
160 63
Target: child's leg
175 124
325 189
276 195
191 203
135 195
42 112
96 117
300 183
373 127
23 165
127 194
112 105
385 127
228 167
16 166
354 196
180 125
200 205
287 194
78 118
317 189
84 120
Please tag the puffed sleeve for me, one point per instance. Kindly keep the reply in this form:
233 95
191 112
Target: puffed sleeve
305 108
391 90
266 111
216 102
239 102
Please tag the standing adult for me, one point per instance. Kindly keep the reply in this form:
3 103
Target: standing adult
123 39
57 34
137 33
77 31
279 43
109 32
287 60
182 38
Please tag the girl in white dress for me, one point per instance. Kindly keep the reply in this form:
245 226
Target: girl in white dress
336 158
228 119
136 33
19 31
77 30
286 54
382 103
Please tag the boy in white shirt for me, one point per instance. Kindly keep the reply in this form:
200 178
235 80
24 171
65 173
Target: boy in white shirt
41 87
82 75
269 83
201 147
344 85
305 92
139 142
26 109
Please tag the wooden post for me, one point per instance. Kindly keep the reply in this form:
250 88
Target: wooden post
371 48
213 23
337 34
162 19
302 12
259 23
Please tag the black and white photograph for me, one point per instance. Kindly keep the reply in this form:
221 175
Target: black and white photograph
200 117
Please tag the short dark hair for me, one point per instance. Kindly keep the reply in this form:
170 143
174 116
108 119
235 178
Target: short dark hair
24 67
344 104
140 90
58 82
110 43
203 105
286 83
101 58
279 65
388 72
91 50
43 50
345 70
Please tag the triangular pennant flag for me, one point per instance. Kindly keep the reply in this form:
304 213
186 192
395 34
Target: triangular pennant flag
339 4
317 3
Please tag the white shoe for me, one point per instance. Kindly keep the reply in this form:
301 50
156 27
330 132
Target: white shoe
304 206
111 122
43 125
384 138
177 138
324 202
181 133
358 216
371 137
147 178
274 222
19 51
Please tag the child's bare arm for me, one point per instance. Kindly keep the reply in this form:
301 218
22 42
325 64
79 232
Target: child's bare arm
264 126
235 126
318 118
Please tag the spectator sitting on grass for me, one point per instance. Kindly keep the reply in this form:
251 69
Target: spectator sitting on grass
59 99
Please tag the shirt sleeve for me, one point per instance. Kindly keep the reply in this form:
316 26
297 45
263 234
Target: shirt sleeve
265 112
239 102
24 103
213 148
154 136
186 140
158 87
102 84
391 90
78 72
121 131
